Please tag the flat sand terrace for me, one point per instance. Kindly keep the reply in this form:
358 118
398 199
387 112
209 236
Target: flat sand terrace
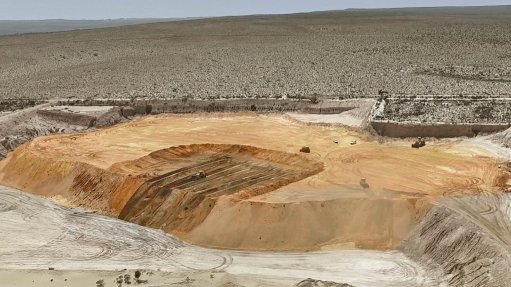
389 168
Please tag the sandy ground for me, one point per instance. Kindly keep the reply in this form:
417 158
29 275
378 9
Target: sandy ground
88 110
356 117
324 211
419 171
342 118
66 278
38 234
468 237
485 145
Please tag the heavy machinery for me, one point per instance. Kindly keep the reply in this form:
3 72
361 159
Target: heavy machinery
305 149
363 183
420 142
199 175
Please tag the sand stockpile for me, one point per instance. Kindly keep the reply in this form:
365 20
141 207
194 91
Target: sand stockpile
258 191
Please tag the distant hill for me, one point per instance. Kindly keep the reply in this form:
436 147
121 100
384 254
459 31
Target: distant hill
459 10
11 27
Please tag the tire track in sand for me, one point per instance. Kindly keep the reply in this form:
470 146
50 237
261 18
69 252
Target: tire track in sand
73 239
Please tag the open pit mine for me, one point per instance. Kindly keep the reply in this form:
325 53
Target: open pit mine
243 181
330 149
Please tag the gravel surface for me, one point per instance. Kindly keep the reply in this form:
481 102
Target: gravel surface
445 109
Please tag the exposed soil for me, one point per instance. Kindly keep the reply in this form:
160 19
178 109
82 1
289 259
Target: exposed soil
128 170
90 278
239 181
468 238
186 181
319 283
503 138
20 126
66 243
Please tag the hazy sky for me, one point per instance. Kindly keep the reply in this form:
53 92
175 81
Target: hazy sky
108 9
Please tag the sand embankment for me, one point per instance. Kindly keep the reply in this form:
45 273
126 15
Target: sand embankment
308 225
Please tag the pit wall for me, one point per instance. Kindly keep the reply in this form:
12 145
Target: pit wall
75 183
374 223
70 118
184 210
180 106
326 110
436 130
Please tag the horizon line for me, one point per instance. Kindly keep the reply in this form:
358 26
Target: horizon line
257 14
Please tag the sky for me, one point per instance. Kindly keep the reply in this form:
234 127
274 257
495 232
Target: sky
112 9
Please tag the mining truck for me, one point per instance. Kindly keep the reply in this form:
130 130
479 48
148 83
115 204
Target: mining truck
420 142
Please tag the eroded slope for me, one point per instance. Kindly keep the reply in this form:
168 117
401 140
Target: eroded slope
469 238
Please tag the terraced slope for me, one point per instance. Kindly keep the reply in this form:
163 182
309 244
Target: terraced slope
180 199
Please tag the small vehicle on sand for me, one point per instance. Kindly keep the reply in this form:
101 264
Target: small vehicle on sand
420 142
